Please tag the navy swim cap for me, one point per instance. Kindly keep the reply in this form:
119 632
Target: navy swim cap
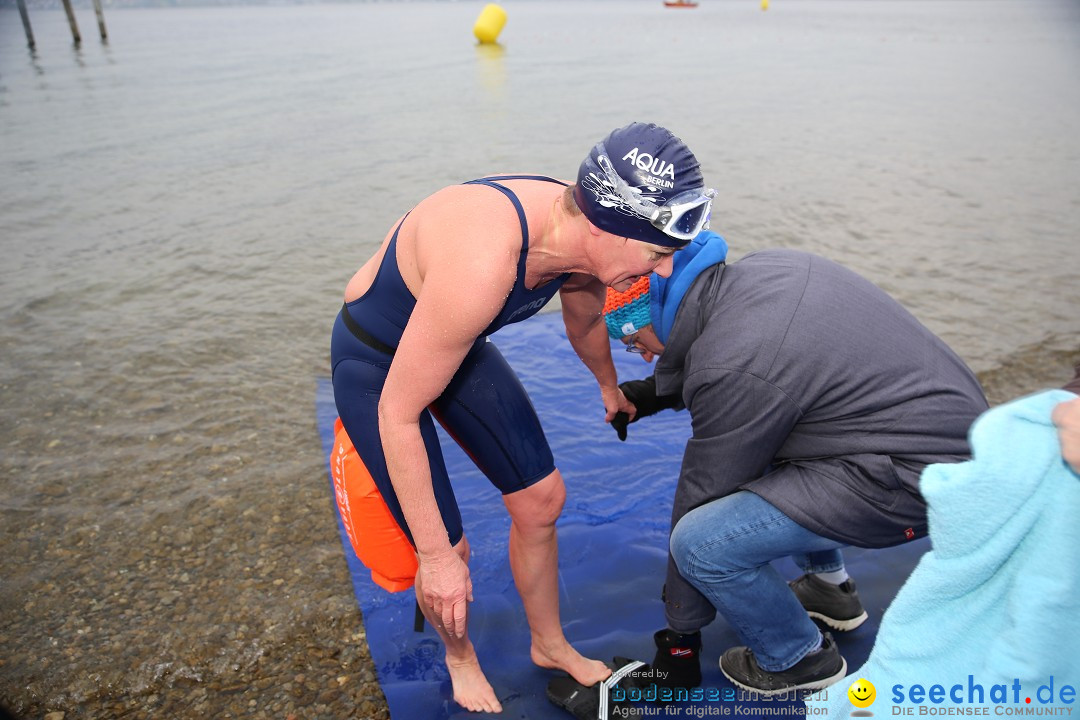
635 172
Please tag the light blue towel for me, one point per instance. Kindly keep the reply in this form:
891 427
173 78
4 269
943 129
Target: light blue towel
998 597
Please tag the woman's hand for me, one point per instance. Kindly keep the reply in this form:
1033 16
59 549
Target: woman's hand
447 588
614 402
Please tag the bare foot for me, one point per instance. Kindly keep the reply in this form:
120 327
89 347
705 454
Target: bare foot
472 691
565 657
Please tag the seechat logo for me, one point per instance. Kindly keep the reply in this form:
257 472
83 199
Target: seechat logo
862 694
999 699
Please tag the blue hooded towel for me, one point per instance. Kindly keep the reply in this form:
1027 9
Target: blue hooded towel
997 600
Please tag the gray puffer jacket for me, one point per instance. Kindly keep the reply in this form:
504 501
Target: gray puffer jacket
811 387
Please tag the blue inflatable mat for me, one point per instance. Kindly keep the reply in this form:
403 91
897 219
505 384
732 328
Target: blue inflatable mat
612 549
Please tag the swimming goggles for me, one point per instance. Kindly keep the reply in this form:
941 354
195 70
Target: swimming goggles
681 217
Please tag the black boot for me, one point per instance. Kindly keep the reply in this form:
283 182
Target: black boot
677 663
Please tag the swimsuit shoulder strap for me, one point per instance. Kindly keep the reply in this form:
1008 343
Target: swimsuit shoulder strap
391 250
520 213
543 178
491 182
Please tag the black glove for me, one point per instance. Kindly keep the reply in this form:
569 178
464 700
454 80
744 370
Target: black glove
643 394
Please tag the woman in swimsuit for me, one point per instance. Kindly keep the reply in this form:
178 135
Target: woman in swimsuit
411 345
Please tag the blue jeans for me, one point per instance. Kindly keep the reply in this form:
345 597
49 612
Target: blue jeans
724 549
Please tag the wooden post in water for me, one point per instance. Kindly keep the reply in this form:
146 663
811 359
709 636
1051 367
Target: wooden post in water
71 22
26 23
100 20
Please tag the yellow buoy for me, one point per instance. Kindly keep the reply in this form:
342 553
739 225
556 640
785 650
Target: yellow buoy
490 23
764 4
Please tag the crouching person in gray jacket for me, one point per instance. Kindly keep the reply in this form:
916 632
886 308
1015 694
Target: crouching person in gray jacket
816 400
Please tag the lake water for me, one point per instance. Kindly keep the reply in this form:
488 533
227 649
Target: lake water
180 210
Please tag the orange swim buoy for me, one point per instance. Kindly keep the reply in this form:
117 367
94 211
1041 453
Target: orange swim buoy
373 532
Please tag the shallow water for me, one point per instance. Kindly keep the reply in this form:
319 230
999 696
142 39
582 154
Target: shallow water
181 208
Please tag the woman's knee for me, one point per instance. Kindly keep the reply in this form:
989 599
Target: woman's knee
538 505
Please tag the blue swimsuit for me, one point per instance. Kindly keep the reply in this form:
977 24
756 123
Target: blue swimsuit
484 408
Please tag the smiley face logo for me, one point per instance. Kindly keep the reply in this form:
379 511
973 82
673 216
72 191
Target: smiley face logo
862 693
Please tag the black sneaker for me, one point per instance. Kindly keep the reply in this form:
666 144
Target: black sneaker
818 669
837 606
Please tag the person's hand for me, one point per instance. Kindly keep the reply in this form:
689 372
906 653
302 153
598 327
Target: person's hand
447 588
1066 416
615 402
642 393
